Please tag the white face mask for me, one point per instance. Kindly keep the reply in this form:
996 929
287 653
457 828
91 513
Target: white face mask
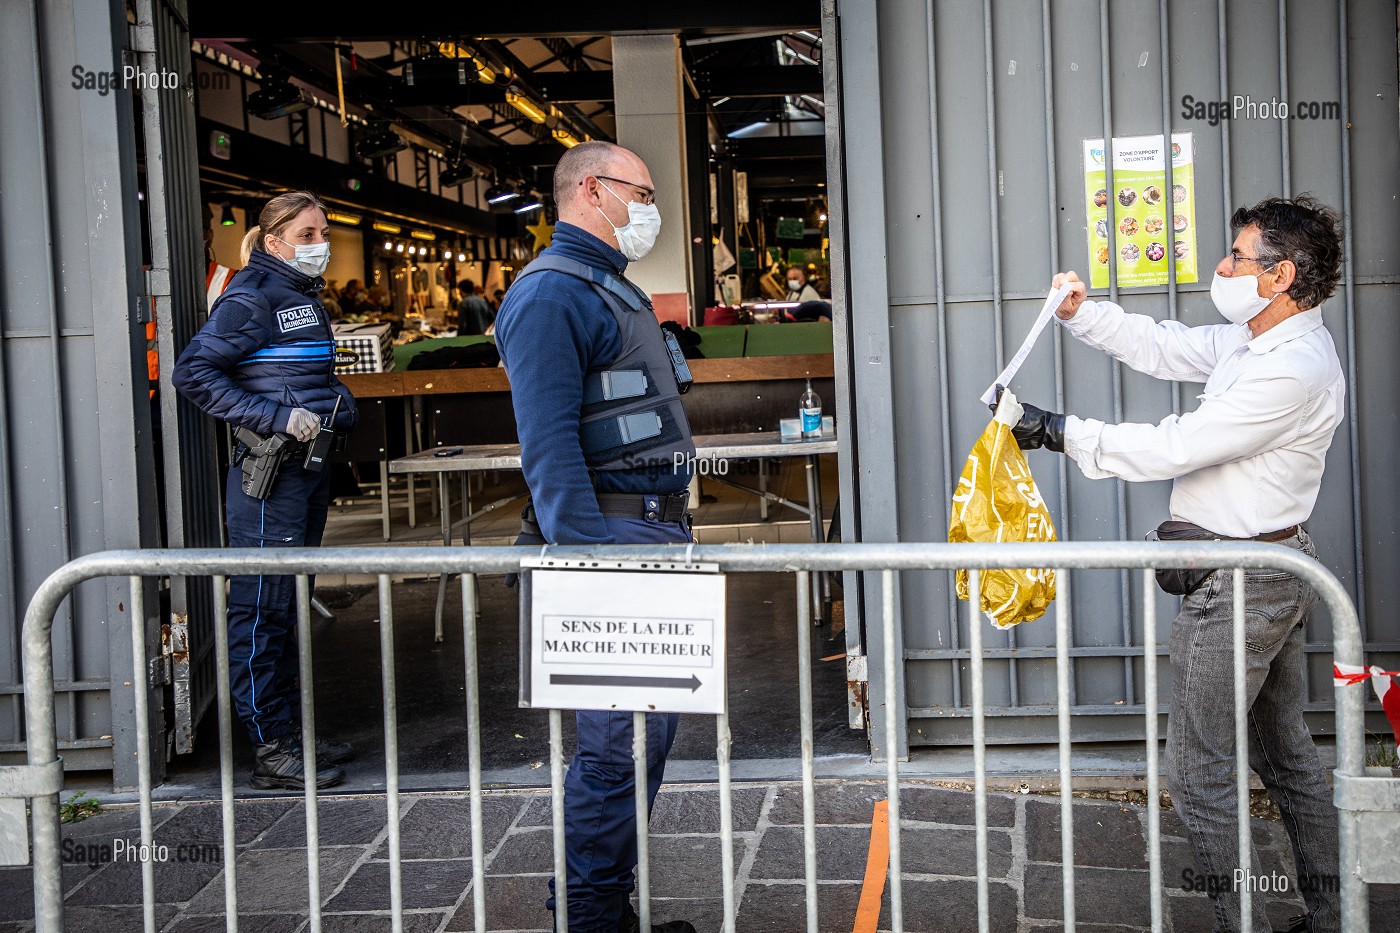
310 259
638 236
1237 297
794 285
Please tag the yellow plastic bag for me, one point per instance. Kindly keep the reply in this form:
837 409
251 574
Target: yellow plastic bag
997 500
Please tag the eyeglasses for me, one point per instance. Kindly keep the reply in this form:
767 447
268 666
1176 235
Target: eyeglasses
1236 258
648 194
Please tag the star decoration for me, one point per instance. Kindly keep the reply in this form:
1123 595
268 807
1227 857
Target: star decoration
543 232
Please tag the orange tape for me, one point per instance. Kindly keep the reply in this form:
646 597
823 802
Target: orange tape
877 866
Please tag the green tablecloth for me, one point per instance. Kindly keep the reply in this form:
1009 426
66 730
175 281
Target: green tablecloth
716 342
409 350
788 339
722 341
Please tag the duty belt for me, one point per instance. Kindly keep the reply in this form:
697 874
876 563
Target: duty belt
647 506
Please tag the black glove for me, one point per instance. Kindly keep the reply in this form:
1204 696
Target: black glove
529 534
1037 427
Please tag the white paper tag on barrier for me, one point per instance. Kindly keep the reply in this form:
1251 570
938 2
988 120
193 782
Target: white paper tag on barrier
644 637
1006 375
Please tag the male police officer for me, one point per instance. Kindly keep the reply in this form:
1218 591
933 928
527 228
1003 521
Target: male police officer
597 405
1246 465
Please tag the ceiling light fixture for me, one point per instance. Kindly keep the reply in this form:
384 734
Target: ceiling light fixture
564 136
277 97
226 218
461 257
456 173
500 194
349 219
526 106
531 204
422 235
382 227
379 144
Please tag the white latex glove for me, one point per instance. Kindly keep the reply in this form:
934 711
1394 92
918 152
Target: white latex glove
303 425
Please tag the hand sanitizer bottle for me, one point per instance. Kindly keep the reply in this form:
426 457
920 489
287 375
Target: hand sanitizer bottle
810 411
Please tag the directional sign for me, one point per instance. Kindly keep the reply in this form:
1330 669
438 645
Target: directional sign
623 636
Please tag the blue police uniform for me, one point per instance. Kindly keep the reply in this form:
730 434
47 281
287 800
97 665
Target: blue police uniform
267 349
596 443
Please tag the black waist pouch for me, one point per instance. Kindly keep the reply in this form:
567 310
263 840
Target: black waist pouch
1180 581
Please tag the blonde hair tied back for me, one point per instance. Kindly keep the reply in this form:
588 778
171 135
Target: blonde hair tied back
274 218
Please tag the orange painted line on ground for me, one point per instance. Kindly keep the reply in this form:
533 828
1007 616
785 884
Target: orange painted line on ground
877 866
837 657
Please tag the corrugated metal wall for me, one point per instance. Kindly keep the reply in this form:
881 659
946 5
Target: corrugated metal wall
963 124
191 479
76 475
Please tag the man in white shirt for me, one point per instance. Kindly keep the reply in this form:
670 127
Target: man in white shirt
1246 464
799 289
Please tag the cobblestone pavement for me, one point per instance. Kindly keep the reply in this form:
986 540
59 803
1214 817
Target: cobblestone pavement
939 861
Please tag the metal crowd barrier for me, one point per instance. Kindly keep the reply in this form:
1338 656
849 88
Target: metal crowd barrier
41 779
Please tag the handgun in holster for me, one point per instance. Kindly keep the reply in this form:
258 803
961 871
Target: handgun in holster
529 534
262 459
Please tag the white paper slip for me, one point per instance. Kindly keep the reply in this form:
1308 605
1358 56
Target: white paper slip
1006 375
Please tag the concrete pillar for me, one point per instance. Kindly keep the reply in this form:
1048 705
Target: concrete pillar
649 89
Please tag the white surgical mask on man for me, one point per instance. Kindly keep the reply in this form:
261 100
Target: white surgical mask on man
1237 298
636 238
794 285
310 259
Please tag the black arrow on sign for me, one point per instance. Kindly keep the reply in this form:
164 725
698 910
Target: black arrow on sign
598 680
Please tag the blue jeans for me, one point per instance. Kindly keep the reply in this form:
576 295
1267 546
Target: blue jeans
600 815
1201 738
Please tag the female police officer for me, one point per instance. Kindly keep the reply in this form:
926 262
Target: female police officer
265 363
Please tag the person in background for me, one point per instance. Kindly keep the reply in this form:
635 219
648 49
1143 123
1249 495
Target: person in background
569 323
353 299
474 313
265 361
798 288
1246 465
330 300
497 297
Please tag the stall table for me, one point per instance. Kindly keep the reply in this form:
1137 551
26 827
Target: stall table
708 447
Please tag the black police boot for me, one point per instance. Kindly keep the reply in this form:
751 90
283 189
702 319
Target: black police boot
336 753
631 923
279 764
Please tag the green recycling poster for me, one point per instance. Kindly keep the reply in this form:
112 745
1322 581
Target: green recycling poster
1151 224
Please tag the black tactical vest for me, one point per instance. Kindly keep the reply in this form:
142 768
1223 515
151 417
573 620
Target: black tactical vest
632 412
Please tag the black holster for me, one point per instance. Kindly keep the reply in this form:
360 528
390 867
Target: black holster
529 534
261 460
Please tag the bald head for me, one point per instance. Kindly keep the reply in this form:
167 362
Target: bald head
585 201
576 164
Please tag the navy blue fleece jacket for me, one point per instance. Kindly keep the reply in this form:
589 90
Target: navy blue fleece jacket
551 330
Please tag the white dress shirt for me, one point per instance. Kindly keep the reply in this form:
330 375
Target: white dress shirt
1249 460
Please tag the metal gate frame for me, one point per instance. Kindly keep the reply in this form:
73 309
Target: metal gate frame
1362 852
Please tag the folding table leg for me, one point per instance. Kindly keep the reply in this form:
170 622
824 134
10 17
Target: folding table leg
814 507
446 511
